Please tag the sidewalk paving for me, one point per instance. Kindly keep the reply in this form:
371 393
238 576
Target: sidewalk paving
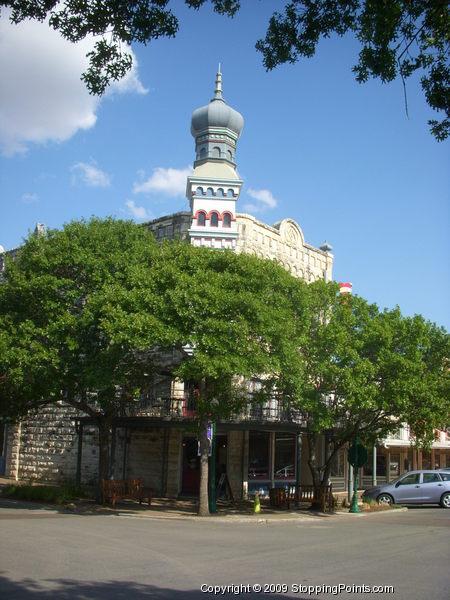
178 508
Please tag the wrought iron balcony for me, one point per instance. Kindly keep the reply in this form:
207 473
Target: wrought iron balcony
185 408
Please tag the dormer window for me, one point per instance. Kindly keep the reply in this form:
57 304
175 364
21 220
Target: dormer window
214 219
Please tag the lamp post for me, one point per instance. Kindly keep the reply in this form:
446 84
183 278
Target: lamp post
212 471
357 457
354 507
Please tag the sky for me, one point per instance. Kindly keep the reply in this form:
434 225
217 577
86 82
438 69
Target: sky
340 158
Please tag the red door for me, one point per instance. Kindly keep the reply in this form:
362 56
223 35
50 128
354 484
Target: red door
190 483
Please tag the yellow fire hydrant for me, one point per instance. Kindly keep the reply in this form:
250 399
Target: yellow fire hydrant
257 505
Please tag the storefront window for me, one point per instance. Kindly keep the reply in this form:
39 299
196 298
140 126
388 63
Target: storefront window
394 465
368 467
437 459
381 464
284 456
258 455
426 460
337 464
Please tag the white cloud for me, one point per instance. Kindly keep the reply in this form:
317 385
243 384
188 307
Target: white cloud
264 197
90 175
170 182
30 198
42 97
138 212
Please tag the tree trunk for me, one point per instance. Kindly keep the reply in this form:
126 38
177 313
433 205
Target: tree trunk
104 435
312 458
203 507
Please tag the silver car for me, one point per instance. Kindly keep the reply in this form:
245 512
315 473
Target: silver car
415 487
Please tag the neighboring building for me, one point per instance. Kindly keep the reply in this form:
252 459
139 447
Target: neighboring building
258 449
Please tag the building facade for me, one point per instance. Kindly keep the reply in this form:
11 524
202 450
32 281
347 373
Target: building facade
257 450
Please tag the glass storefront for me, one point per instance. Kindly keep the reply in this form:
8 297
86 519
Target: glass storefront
426 459
381 464
271 461
284 468
338 464
394 466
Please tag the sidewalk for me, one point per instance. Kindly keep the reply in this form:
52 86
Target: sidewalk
175 508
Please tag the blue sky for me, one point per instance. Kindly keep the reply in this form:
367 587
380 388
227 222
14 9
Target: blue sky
340 158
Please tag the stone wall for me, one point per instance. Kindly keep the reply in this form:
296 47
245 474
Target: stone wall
44 447
285 243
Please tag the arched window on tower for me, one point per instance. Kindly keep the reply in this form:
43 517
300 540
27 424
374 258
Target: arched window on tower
230 193
219 192
215 152
201 218
199 191
209 192
214 219
227 220
229 156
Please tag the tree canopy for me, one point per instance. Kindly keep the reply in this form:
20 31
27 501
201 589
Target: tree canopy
85 311
367 372
230 317
398 38
53 307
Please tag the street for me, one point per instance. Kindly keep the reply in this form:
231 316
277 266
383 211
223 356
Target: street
46 553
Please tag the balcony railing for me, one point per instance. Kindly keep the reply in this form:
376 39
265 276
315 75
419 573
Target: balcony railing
185 408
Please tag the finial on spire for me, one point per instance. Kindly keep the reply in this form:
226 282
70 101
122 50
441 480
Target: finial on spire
218 90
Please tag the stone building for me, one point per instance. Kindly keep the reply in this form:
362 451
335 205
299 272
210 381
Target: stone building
257 450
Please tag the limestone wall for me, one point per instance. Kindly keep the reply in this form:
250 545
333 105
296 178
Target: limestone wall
285 243
44 447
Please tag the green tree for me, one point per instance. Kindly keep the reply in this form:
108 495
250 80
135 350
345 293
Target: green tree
229 316
398 38
367 373
55 317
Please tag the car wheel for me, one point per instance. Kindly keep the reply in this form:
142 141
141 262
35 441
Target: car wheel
385 499
445 500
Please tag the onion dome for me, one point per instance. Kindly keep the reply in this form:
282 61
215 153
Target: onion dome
217 114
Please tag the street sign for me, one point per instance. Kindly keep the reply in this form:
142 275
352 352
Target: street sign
357 455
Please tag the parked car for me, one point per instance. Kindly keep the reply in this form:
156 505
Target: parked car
415 487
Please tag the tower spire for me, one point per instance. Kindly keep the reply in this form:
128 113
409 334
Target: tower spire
218 90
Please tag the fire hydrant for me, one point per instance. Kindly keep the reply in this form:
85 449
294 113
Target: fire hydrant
257 505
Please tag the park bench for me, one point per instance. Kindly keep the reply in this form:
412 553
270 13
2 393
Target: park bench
319 495
130 489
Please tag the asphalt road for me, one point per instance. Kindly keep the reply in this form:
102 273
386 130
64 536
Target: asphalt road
45 554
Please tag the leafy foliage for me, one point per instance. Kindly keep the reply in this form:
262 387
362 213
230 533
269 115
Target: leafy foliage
367 372
398 39
53 328
44 493
118 23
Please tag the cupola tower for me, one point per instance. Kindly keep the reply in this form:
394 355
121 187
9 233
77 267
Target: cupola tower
214 186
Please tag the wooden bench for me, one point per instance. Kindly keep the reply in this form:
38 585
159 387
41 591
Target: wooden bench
130 489
318 495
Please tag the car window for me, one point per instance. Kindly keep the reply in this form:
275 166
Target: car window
445 476
410 479
431 477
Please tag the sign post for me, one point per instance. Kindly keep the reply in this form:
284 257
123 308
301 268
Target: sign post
357 457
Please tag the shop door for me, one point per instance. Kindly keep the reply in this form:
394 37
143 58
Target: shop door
190 483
